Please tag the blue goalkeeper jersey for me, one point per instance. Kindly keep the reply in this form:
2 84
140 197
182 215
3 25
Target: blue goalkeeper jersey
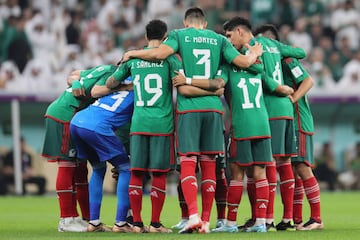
107 113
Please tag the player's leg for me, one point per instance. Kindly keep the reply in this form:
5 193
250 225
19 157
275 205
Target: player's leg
271 176
261 199
162 157
211 144
261 152
82 188
183 208
287 185
303 166
208 188
56 149
188 142
95 195
283 147
250 187
139 152
233 199
87 145
298 200
221 191
122 163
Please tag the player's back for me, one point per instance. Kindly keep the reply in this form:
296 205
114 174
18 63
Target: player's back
277 106
153 111
107 113
249 107
65 106
201 51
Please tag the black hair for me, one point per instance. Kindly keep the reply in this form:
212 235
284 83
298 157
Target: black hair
195 13
235 22
268 27
156 30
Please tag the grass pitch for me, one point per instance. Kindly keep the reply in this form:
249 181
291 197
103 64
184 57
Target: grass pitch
36 218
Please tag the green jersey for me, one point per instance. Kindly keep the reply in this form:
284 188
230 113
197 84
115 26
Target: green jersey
201 51
278 107
294 73
66 105
249 118
153 102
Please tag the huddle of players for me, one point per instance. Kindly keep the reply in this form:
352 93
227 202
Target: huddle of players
255 91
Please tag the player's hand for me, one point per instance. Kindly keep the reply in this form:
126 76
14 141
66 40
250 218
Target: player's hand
219 92
179 79
78 92
287 91
257 48
127 56
291 98
115 173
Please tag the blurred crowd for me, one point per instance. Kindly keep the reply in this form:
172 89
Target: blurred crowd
42 41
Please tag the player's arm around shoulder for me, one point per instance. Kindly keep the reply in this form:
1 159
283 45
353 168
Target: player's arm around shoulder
121 73
153 54
257 67
290 51
245 61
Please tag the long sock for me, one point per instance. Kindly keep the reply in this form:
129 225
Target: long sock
312 192
122 193
208 185
287 185
182 202
96 192
262 198
221 195
189 183
157 195
271 177
298 200
82 189
250 186
135 194
64 188
233 199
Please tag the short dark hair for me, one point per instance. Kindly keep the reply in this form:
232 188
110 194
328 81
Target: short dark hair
156 30
235 22
195 13
268 27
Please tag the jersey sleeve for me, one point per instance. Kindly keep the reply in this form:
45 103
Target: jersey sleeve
223 72
172 40
257 66
268 83
289 51
101 82
229 51
295 69
175 64
122 72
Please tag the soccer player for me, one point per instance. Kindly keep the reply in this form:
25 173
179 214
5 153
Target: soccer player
297 77
71 180
280 110
152 126
93 131
199 119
